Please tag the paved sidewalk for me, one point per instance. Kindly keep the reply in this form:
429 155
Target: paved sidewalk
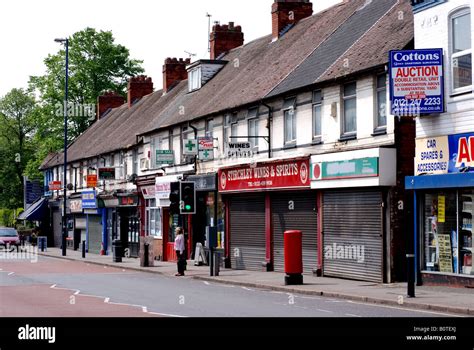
441 299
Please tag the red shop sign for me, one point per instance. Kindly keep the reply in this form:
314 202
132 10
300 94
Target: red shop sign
274 175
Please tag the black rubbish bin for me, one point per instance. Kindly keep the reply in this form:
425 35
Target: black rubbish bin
117 249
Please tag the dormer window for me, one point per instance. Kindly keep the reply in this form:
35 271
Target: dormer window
200 72
195 80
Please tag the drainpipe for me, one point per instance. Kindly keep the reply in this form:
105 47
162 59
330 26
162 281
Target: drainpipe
195 137
269 127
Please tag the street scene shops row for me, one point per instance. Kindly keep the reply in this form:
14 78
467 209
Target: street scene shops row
342 203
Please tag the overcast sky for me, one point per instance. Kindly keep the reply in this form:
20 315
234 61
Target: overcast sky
151 30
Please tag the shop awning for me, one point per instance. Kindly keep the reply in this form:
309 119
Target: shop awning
439 181
35 212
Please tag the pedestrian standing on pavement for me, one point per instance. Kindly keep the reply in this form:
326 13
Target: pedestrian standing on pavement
179 248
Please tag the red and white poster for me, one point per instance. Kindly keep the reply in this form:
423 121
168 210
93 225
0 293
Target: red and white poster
271 175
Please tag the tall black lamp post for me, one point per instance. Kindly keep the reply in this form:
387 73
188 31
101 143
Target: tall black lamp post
65 228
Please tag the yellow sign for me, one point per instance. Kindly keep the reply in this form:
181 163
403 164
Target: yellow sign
445 254
441 209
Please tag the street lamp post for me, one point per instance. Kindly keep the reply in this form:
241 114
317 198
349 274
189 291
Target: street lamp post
65 234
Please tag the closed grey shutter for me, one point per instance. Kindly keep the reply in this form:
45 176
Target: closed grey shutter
247 232
95 234
303 217
57 228
352 235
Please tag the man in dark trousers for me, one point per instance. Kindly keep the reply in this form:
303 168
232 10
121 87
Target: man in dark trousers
179 247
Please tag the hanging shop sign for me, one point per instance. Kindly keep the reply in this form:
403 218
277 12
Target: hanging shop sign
444 154
206 148
149 192
106 173
75 205
285 174
416 82
203 183
346 169
91 181
239 150
128 201
164 157
190 147
89 200
55 186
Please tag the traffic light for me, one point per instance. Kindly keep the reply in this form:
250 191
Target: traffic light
188 198
174 198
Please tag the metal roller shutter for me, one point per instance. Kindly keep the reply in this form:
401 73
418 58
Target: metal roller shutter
304 217
57 228
353 235
95 234
247 232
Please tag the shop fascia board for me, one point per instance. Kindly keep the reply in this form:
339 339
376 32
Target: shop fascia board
387 168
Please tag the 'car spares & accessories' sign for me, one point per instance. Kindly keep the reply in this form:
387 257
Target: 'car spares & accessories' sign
274 175
416 82
444 154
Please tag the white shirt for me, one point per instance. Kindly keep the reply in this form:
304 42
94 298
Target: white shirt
179 243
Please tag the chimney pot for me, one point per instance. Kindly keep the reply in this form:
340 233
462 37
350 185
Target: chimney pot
174 71
108 100
139 87
225 38
285 12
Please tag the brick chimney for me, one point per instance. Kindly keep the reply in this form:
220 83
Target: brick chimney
225 38
174 71
109 100
286 12
139 87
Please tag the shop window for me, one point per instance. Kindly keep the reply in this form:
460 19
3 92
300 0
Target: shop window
153 219
447 240
461 51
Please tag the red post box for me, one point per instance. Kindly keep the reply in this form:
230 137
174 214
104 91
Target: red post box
293 250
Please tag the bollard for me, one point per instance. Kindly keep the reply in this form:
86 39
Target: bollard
42 244
145 257
83 249
411 275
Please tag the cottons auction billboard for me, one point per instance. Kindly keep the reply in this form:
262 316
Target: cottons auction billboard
416 82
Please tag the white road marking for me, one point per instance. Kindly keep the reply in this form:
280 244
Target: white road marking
407 309
250 290
207 283
326 311
11 273
352 315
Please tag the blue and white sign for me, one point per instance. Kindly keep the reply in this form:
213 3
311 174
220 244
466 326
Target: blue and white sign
89 200
416 82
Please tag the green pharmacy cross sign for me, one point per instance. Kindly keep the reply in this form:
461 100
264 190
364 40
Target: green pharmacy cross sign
190 147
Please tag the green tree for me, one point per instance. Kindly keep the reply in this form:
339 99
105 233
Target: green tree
96 64
17 127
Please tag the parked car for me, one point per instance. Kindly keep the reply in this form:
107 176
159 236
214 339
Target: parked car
9 237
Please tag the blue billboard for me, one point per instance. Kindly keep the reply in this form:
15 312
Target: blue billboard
461 152
89 200
416 82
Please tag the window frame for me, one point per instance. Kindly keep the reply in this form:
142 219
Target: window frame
345 135
452 55
317 103
378 128
287 112
253 118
